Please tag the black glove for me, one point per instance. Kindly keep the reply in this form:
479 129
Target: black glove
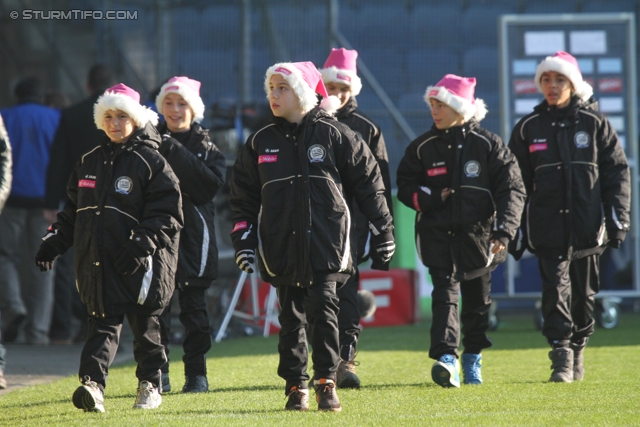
244 259
131 258
385 246
614 243
45 256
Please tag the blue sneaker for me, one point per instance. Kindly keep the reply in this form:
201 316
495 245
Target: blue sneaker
445 371
472 368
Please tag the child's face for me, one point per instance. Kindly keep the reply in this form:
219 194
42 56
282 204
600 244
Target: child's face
341 90
118 126
283 100
556 88
444 116
177 113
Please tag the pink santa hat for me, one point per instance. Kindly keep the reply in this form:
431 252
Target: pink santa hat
306 81
122 97
189 90
457 92
565 64
340 67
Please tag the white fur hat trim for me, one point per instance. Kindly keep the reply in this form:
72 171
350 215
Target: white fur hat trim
192 98
462 106
347 77
307 96
116 101
582 89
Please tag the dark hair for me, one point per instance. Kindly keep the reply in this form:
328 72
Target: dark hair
55 99
28 88
100 78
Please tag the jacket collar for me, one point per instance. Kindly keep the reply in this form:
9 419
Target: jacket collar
348 108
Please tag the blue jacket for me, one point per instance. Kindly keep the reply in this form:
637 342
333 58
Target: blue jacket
31 128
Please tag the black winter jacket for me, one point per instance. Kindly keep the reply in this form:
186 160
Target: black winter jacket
5 165
372 136
486 201
577 181
119 192
289 196
201 169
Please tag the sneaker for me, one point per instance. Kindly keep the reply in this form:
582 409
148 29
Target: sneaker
148 396
445 371
195 384
346 376
166 384
298 399
89 396
326 395
472 368
562 365
3 381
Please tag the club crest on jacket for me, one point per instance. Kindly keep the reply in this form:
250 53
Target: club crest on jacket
316 153
581 139
124 185
472 169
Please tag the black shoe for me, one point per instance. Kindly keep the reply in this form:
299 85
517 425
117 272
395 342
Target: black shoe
326 396
10 333
166 385
195 384
562 365
298 399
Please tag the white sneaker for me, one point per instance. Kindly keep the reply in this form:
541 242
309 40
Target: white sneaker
148 396
88 397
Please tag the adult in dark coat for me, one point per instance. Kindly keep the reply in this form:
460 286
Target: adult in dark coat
76 135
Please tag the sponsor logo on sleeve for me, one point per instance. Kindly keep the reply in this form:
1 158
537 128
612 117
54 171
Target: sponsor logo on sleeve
316 153
581 139
537 147
472 169
124 185
87 183
239 226
437 171
268 158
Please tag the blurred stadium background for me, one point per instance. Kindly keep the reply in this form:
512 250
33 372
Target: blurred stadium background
228 44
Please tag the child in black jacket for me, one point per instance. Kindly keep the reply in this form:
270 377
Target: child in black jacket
578 188
289 195
200 167
466 189
123 218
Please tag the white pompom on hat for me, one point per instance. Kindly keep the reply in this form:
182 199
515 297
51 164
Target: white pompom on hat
567 65
189 90
340 67
306 81
123 98
457 92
